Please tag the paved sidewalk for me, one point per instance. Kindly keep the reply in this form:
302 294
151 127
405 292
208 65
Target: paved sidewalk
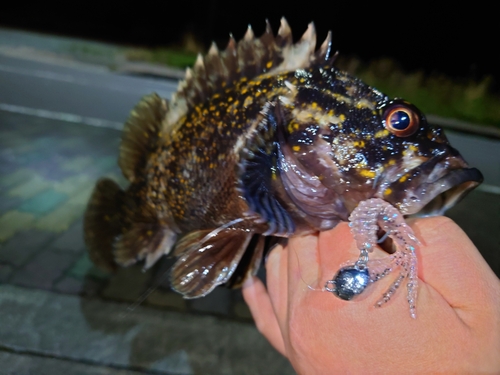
45 332
58 312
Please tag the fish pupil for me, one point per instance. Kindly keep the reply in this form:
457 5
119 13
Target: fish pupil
400 120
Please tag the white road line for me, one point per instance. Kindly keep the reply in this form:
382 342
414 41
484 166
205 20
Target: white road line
97 82
492 189
68 117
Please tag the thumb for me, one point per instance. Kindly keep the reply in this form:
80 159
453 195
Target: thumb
452 265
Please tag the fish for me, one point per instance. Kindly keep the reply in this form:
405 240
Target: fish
262 141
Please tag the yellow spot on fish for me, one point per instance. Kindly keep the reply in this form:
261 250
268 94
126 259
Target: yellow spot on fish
269 64
403 178
359 144
392 162
296 148
367 173
388 191
342 117
382 133
314 105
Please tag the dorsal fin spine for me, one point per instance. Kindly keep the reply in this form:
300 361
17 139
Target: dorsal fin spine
249 57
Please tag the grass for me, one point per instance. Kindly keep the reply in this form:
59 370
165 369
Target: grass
172 57
464 99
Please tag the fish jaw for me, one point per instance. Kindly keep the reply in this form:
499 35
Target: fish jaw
432 187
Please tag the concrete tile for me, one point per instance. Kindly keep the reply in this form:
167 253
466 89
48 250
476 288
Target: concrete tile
161 298
97 331
107 162
128 284
261 359
217 302
43 270
6 271
14 221
31 187
73 184
88 287
16 178
24 364
61 218
77 164
9 203
21 247
71 240
43 203
82 196
84 268
241 310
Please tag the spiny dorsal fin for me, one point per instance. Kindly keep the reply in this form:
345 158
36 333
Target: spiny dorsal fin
140 133
248 58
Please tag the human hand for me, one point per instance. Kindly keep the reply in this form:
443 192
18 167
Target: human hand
457 329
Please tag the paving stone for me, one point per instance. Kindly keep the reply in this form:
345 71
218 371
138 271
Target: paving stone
71 240
82 196
16 178
241 310
6 271
43 270
43 203
167 299
84 268
73 184
23 364
8 203
88 287
217 302
77 164
104 332
61 218
18 250
128 284
107 162
12 222
33 186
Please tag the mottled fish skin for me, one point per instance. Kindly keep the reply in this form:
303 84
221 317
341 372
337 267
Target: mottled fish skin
267 138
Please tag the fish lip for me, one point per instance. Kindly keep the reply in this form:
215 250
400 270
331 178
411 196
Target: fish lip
441 182
448 190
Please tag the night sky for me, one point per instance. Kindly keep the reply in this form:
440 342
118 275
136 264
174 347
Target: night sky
461 42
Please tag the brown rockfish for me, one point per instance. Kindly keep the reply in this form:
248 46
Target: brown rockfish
264 139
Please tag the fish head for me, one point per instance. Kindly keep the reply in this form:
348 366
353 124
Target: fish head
345 142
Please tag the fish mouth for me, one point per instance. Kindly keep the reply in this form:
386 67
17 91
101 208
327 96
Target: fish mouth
433 187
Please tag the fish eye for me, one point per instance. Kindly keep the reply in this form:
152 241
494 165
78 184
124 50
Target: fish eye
401 118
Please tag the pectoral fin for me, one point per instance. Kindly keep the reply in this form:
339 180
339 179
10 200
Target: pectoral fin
207 259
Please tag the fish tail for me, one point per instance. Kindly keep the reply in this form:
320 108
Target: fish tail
119 228
119 232
103 222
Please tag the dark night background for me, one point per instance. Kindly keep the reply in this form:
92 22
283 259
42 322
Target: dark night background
459 42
